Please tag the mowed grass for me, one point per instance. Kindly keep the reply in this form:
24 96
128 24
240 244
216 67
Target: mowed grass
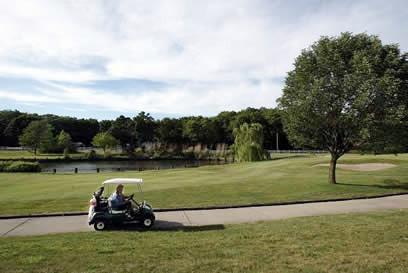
246 183
9 154
27 155
358 243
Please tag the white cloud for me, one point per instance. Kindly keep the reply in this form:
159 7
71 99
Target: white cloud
186 99
27 98
45 73
207 52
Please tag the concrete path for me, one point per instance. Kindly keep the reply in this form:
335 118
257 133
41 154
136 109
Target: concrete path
180 219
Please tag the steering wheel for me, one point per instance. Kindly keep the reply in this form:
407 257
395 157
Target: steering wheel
131 198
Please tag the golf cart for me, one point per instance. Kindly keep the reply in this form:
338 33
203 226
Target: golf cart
102 214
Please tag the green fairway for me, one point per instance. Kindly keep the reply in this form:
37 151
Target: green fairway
245 183
27 155
358 243
5 155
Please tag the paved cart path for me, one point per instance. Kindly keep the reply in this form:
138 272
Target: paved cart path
180 219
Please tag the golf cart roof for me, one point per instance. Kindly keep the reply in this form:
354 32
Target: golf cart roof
118 181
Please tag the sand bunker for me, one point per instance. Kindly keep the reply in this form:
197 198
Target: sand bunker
364 167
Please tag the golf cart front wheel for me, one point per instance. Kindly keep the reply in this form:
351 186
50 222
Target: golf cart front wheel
148 222
99 225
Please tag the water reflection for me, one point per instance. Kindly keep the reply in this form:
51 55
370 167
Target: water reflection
139 165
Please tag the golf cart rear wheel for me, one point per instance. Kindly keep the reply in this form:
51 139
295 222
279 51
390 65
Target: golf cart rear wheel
148 222
99 225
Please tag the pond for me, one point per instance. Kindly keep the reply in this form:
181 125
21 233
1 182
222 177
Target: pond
139 165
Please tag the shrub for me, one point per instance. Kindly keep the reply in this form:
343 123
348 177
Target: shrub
19 166
139 153
189 154
3 165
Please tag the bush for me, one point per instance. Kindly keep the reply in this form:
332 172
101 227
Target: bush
189 155
19 166
3 165
139 153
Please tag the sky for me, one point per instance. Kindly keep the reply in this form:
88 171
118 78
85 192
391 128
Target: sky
102 59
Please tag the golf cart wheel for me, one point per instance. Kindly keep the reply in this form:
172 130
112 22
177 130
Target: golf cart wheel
148 222
99 225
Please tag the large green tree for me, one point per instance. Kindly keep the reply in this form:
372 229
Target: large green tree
80 130
225 123
145 127
342 94
201 130
36 134
170 131
16 126
105 141
124 130
105 125
5 117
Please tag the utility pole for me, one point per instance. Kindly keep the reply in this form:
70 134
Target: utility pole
277 141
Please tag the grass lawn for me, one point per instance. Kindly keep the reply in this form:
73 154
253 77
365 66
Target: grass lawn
6 154
25 155
358 243
269 181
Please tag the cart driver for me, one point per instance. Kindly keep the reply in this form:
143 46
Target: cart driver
118 200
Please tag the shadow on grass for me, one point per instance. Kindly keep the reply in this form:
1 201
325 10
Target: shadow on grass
161 225
289 156
388 184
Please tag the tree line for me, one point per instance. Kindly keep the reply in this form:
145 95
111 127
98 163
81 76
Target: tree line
132 132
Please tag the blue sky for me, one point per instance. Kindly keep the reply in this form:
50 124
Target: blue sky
102 59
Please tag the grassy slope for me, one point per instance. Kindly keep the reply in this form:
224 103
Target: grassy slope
271 181
359 243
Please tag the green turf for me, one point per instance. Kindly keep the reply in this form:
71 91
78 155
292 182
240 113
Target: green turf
269 181
27 155
355 243
6 154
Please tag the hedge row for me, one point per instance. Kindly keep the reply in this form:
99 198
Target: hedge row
19 166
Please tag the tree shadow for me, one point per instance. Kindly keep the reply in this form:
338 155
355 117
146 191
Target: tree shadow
388 184
289 156
161 225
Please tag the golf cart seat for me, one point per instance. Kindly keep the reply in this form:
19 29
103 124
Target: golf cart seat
101 202
114 211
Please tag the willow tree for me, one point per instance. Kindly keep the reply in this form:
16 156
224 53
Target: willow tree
248 144
344 92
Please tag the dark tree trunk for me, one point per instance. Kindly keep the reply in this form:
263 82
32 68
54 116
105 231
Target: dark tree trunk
332 169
